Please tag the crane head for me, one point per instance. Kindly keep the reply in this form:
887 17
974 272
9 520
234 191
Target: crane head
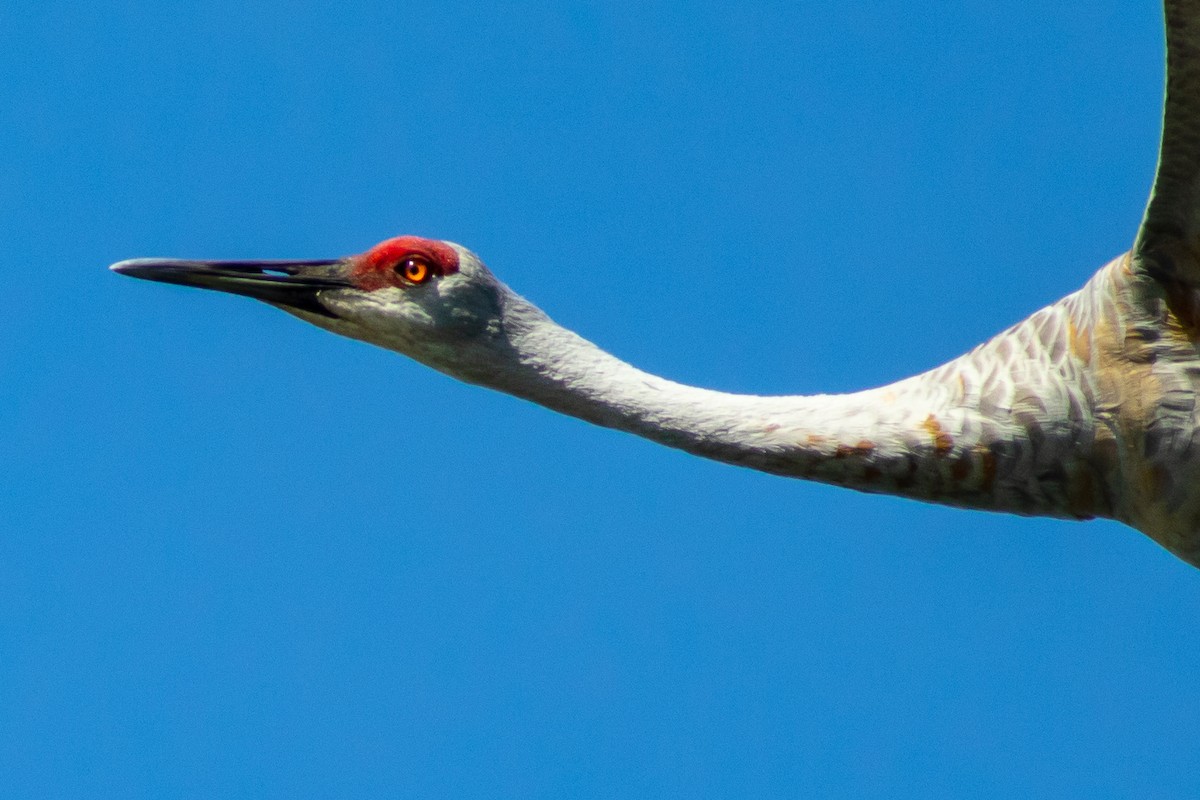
432 300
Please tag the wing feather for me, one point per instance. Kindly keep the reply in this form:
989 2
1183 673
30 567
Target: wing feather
1168 242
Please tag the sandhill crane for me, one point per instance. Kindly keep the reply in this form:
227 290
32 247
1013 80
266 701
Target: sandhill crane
1086 409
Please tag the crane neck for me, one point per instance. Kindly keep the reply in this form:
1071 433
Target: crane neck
913 438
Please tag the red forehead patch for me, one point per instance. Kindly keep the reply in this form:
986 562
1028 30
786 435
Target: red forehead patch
374 268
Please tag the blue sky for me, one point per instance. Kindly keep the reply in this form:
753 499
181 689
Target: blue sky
242 557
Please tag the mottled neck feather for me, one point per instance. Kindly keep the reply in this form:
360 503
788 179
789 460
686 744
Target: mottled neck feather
927 437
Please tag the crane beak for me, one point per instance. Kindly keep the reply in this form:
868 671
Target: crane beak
294 284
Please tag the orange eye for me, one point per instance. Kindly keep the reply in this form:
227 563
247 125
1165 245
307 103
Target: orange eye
414 269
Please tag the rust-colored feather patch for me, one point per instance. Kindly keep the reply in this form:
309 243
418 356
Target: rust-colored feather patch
943 442
1080 342
863 449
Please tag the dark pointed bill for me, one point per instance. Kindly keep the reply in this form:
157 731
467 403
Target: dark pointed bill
296 284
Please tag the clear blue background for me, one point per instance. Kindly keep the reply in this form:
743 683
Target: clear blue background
242 557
